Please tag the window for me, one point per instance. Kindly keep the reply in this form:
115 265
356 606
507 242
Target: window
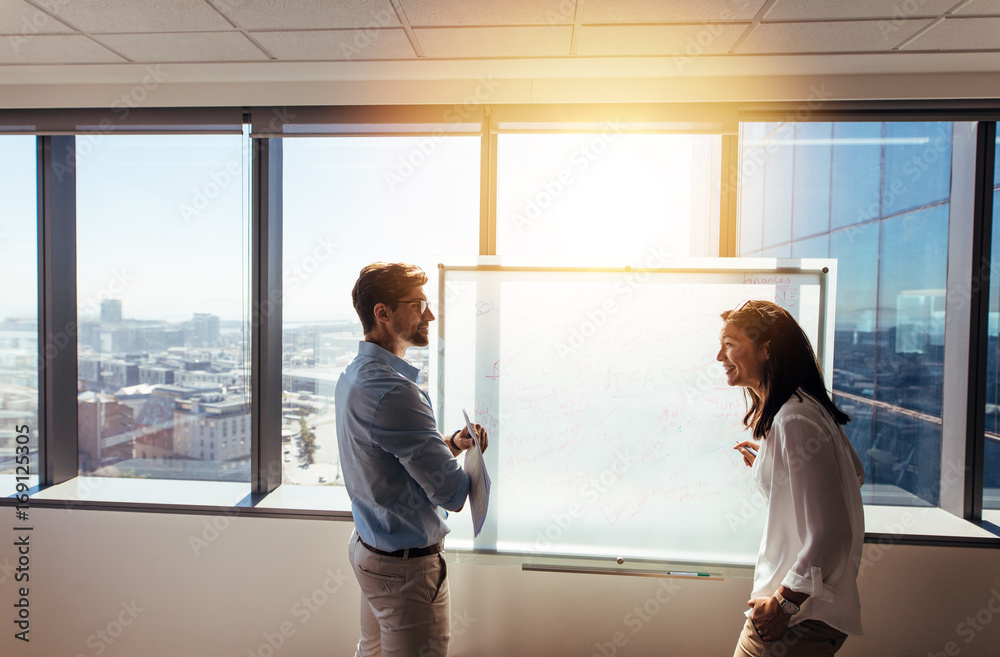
596 194
558 193
163 264
18 308
875 196
991 449
348 202
161 301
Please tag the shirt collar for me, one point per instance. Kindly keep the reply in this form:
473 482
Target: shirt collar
372 350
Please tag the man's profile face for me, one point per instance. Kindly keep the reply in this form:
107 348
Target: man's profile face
408 323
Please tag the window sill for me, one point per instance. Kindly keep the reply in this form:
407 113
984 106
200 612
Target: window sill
184 496
926 525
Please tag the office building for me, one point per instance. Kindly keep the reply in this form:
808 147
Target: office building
111 311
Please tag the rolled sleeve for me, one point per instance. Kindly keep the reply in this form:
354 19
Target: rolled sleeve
822 518
403 425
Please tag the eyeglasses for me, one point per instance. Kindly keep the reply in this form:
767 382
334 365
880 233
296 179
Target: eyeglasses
424 304
751 304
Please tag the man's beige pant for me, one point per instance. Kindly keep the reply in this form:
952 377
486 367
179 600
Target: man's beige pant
807 639
405 606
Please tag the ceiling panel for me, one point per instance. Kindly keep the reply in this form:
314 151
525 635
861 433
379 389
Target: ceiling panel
308 14
185 47
891 10
658 39
18 17
834 36
489 12
658 11
105 16
45 49
344 45
495 41
960 33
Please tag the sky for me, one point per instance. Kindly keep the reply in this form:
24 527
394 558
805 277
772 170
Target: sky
18 243
163 221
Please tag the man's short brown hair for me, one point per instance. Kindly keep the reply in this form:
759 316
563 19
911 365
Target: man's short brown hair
383 282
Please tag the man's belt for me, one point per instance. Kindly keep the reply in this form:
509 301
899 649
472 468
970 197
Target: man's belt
407 552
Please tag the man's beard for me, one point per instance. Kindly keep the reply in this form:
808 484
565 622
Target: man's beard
419 339
415 337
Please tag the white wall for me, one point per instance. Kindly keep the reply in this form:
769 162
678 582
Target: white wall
226 595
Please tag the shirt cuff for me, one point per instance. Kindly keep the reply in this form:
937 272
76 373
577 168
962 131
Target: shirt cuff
812 584
458 499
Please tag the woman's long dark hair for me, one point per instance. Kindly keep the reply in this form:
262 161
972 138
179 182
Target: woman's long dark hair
791 364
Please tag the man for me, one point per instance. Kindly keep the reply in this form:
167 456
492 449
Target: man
398 470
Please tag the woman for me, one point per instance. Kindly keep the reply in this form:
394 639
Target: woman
805 593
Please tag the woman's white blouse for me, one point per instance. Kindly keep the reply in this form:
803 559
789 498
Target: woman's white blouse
811 477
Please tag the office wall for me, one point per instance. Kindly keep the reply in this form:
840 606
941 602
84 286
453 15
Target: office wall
151 585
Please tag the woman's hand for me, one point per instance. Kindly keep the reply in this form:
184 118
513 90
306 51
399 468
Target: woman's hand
744 449
768 618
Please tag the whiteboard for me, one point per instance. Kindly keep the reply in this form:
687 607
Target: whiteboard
611 425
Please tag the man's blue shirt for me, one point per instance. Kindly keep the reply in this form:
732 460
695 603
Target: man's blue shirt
396 467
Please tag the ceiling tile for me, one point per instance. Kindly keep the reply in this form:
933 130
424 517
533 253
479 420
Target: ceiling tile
981 7
68 49
513 12
185 47
834 36
896 10
18 17
109 16
959 34
337 45
658 39
308 14
468 42
658 11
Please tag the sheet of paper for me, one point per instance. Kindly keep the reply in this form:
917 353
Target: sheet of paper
479 479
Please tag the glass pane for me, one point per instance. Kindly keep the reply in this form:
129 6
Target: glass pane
349 202
887 187
779 251
161 251
910 360
557 193
857 174
19 304
753 158
917 166
991 464
909 363
777 192
856 251
812 247
813 159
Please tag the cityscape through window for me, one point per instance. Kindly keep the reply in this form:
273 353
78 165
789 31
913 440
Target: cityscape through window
163 273
19 303
161 294
876 197
348 202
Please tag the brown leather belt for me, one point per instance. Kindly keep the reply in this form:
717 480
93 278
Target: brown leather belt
407 552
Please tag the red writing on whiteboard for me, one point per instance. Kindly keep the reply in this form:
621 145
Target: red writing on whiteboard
752 279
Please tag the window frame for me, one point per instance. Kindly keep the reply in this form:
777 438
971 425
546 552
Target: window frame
60 486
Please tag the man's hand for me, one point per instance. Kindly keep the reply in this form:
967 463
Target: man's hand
768 618
464 441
